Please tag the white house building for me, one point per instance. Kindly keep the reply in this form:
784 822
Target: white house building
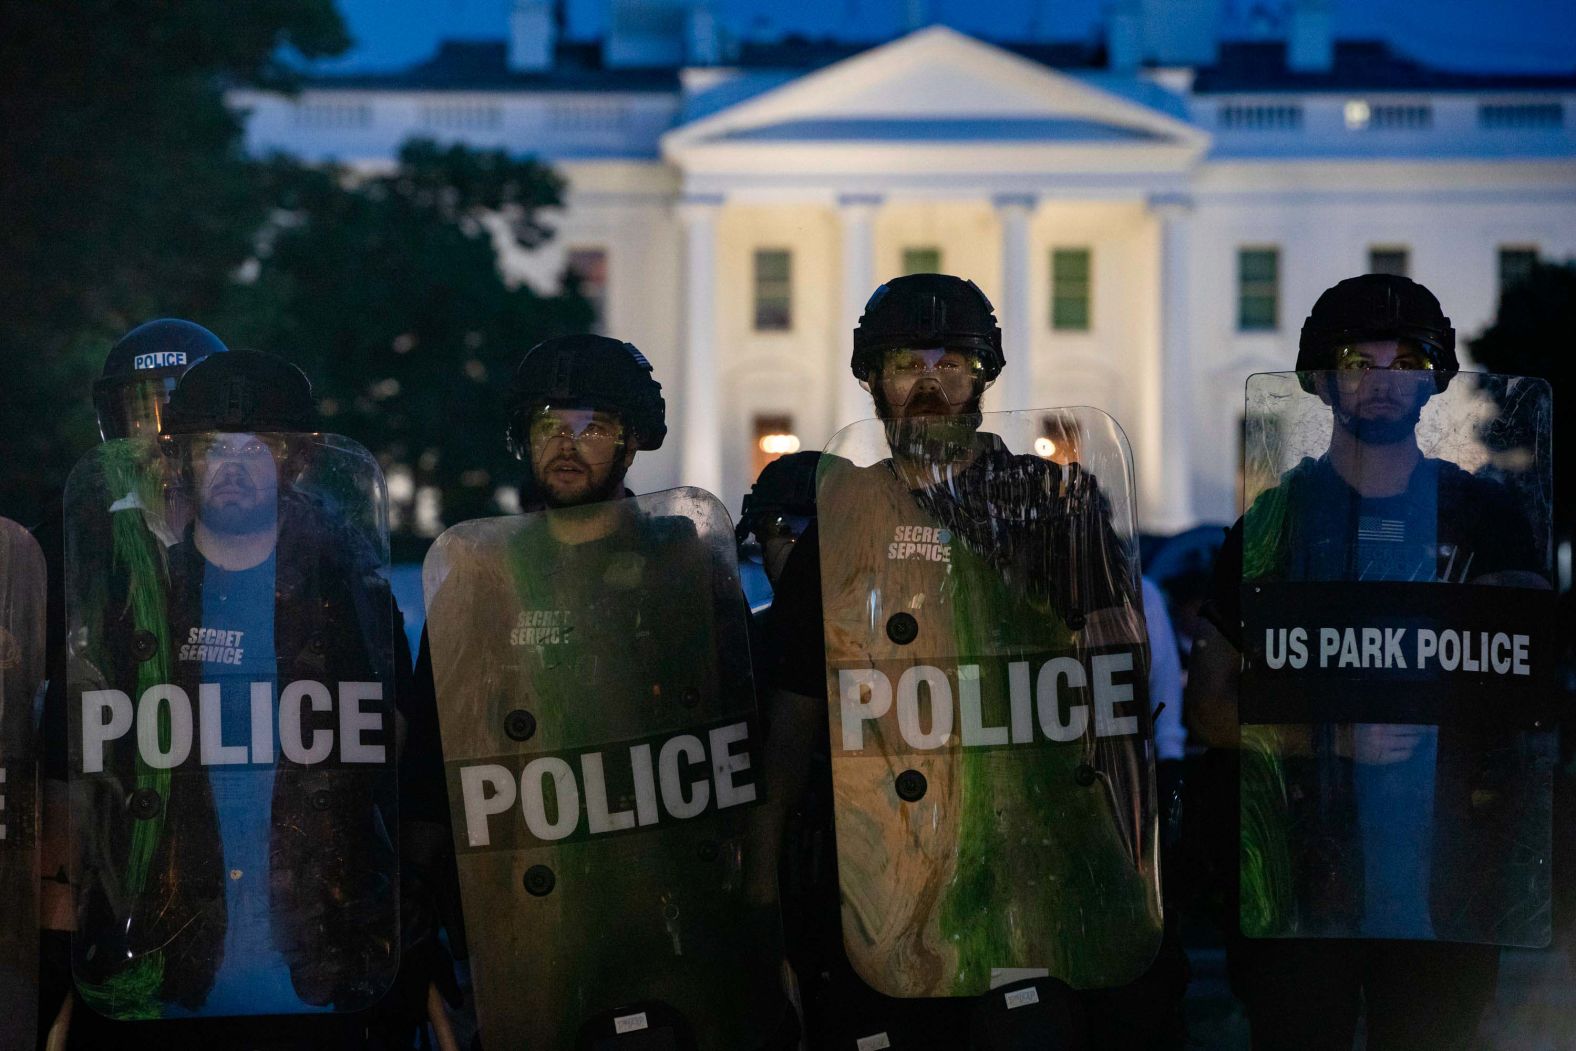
1153 216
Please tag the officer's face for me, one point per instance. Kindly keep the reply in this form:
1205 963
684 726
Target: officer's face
578 455
1383 381
237 481
933 381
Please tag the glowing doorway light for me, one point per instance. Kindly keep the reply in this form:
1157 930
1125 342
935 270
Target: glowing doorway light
779 444
1358 114
1044 448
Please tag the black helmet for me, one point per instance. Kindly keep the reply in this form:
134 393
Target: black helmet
927 310
786 485
592 372
244 390
141 371
1375 307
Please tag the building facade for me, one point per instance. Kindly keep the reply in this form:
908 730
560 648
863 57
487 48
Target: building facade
1153 216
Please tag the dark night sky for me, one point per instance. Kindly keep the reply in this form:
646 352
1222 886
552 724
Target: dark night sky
1504 35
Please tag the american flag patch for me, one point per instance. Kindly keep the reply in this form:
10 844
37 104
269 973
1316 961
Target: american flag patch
1372 529
640 359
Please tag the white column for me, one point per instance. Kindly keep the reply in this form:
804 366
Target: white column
856 216
1014 388
1176 374
699 397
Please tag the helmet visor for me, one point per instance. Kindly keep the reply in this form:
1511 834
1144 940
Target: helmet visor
135 409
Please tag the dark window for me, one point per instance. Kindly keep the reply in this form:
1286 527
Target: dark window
1258 289
773 290
1515 264
1388 261
923 260
1521 115
1070 284
590 266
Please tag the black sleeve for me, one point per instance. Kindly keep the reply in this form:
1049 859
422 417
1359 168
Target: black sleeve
1223 609
423 795
797 642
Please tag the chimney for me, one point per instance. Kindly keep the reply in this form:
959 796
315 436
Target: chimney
1310 47
702 45
1124 37
1181 32
533 35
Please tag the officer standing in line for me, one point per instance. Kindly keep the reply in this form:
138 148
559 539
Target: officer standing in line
594 650
926 348
256 875
1385 850
130 399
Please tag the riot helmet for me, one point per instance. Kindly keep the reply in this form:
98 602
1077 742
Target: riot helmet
785 489
587 372
927 311
132 392
242 391
1376 307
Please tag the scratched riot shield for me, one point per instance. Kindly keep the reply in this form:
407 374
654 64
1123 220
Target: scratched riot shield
231 707
22 596
1398 647
991 738
599 733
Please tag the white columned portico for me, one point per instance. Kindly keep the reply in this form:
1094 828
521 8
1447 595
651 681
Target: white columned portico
1174 509
700 396
1015 386
856 217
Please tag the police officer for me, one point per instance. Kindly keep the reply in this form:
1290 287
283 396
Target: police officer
1391 824
602 628
130 399
241 910
778 509
926 348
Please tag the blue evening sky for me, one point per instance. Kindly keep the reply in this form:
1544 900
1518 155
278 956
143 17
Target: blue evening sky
1492 35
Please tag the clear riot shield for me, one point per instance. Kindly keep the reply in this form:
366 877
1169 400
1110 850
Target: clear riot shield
599 732
22 598
986 673
1398 622
232 751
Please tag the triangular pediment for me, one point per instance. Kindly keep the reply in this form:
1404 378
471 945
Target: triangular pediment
935 85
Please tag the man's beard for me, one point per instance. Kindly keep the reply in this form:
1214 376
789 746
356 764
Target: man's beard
931 435
1380 432
238 519
610 488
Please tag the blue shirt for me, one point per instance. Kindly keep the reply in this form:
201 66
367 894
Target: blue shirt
253 977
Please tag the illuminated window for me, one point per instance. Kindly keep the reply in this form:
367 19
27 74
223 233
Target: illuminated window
922 260
1070 282
1358 113
1258 289
773 290
774 437
589 265
1389 260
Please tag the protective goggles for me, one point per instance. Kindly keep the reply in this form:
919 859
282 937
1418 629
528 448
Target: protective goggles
598 437
956 373
1353 365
